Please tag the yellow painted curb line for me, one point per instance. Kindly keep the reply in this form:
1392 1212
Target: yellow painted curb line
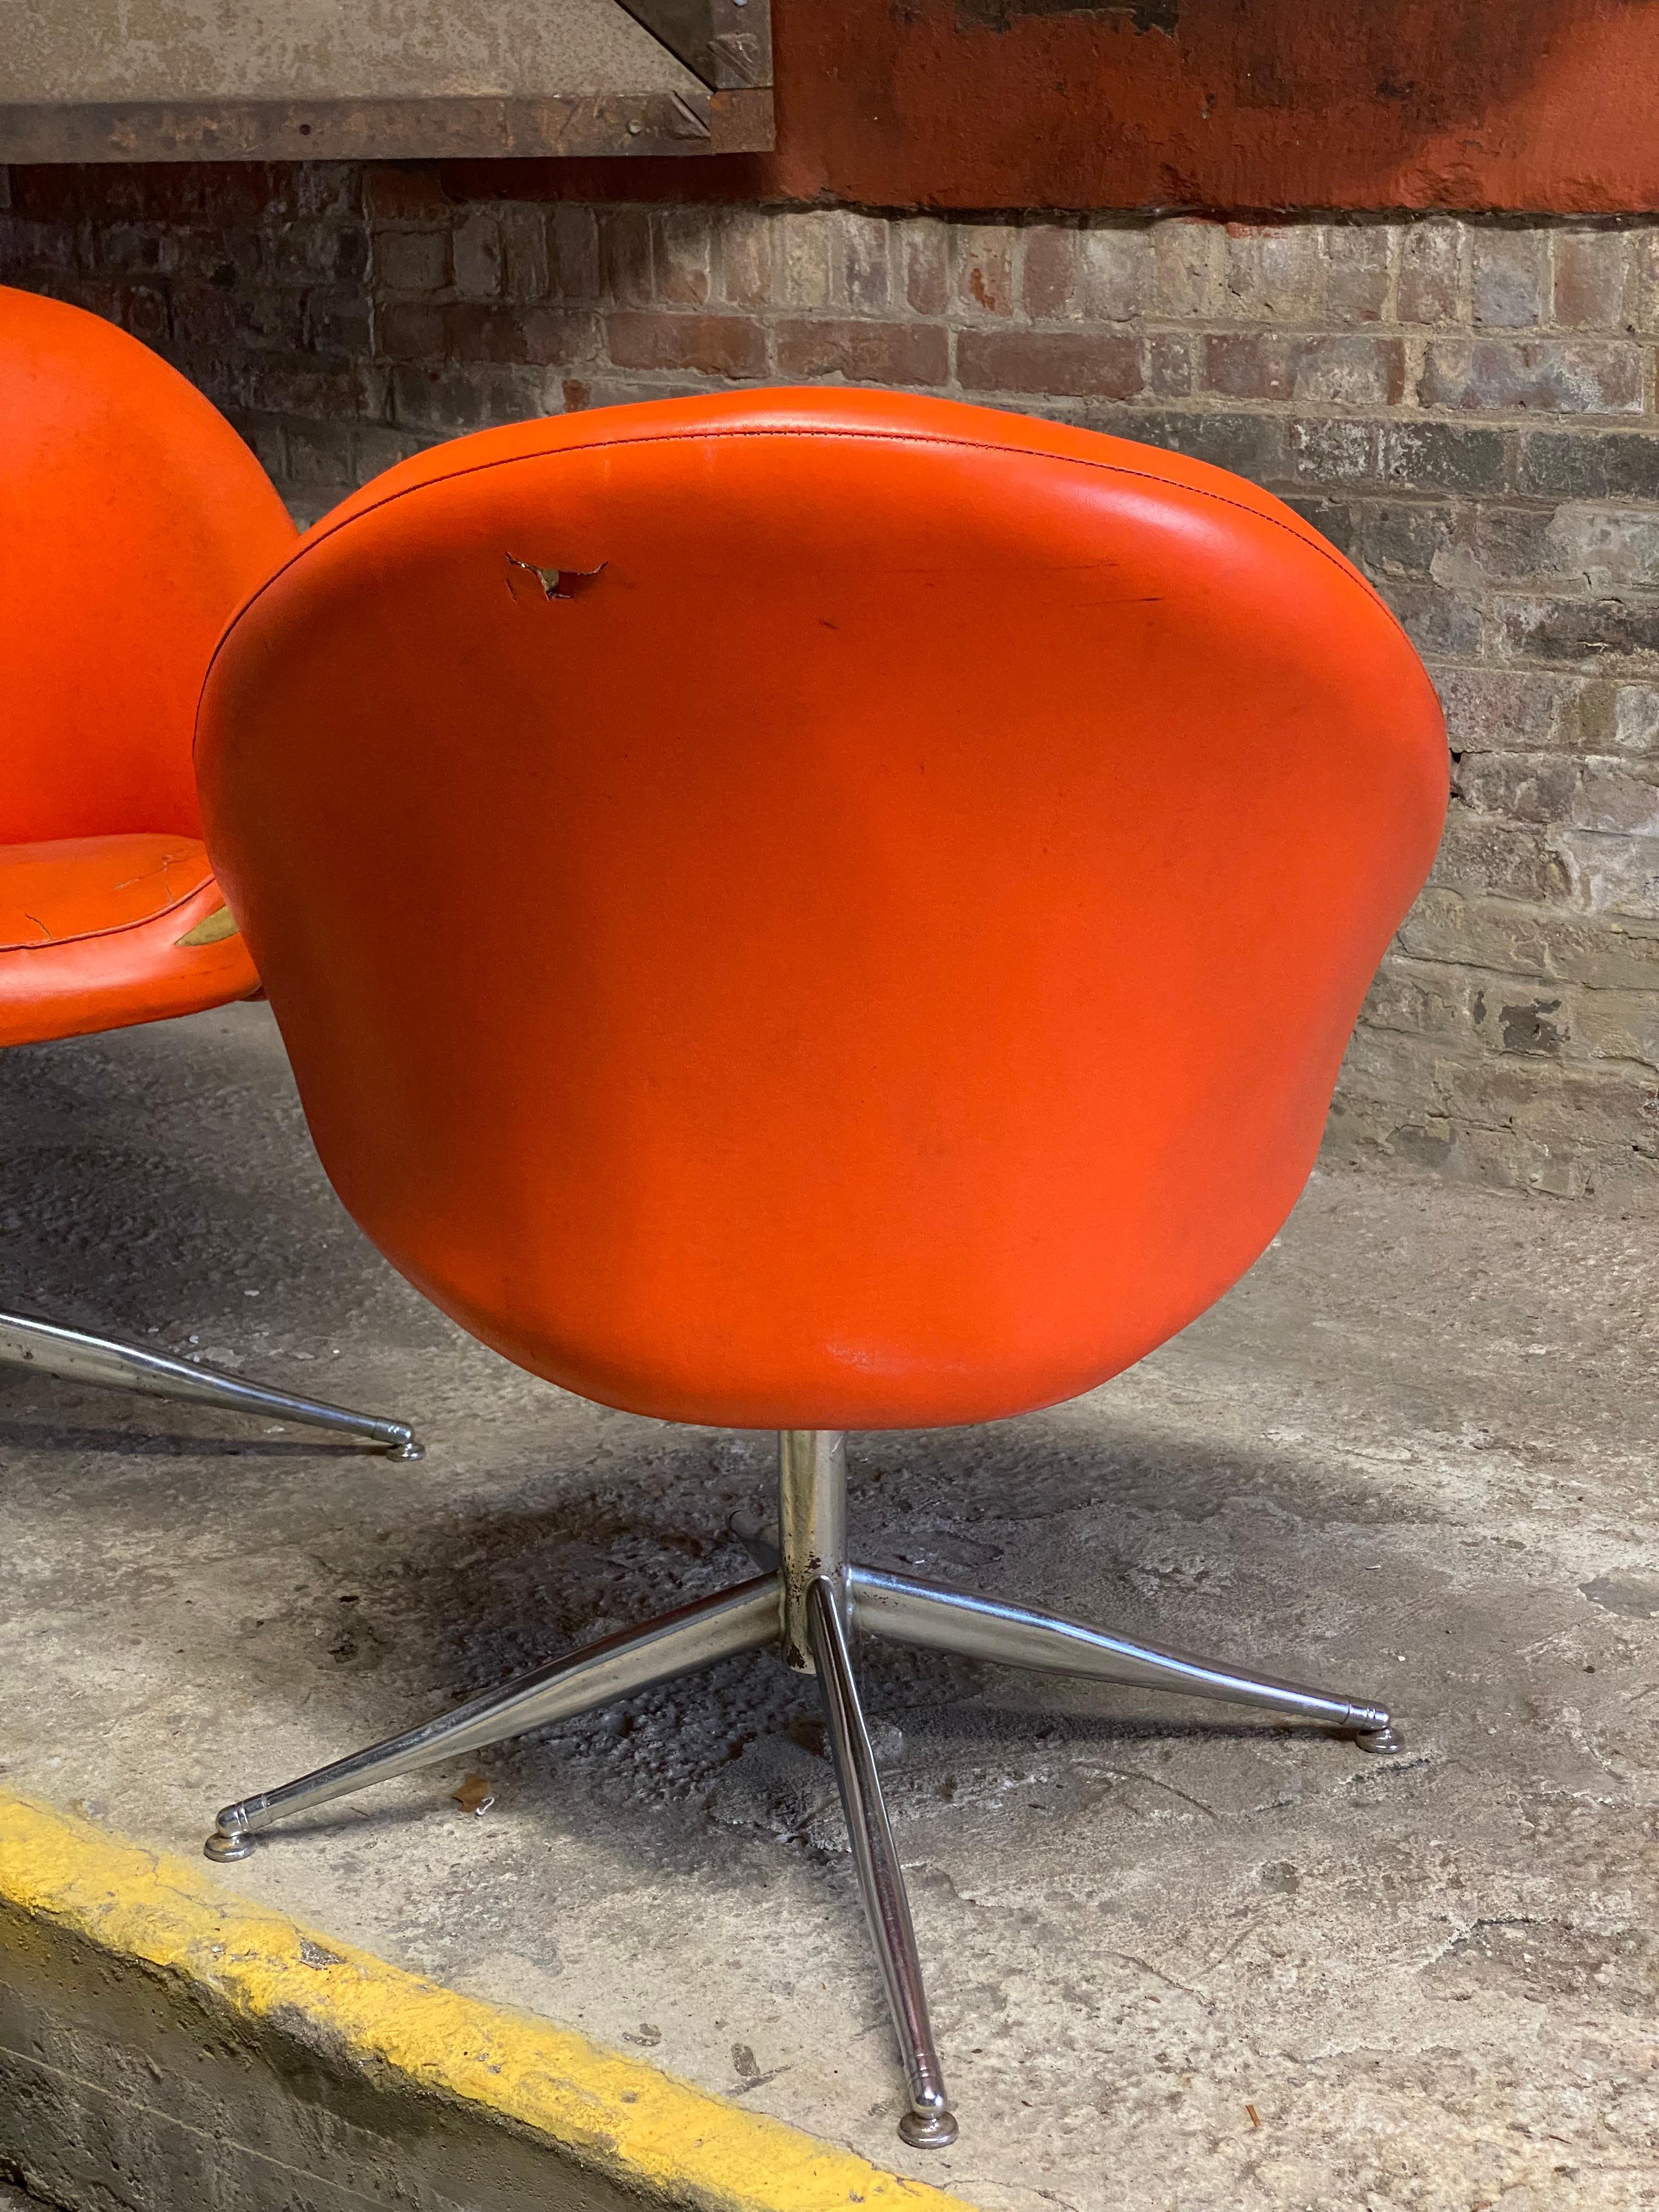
671 2143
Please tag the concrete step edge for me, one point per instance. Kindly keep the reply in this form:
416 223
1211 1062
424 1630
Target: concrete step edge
115 1957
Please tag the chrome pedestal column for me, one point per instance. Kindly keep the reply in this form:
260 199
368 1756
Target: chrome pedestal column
74 1357
806 1603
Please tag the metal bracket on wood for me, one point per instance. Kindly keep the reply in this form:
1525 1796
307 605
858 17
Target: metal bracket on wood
727 43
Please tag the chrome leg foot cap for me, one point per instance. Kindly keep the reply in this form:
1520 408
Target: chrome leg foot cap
1381 1740
408 1449
225 1845
934 2130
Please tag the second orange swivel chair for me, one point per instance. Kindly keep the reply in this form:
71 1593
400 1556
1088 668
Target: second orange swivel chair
818 911
132 520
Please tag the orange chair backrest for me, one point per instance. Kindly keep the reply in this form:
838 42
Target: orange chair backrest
132 520
817 909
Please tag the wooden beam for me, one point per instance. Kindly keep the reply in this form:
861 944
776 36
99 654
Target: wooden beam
581 78
389 129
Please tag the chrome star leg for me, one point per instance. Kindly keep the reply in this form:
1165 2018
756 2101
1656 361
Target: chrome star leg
940 1619
693 1636
929 2123
74 1357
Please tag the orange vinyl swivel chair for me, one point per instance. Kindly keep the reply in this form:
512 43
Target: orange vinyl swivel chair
818 911
132 520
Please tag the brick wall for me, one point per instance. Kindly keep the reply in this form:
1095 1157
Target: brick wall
1467 410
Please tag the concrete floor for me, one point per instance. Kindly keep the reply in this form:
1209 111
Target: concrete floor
1178 1957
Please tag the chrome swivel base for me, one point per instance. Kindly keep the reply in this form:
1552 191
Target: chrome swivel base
806 1600
74 1357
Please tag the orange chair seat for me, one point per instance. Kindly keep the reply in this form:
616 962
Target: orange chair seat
94 932
71 887
133 521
